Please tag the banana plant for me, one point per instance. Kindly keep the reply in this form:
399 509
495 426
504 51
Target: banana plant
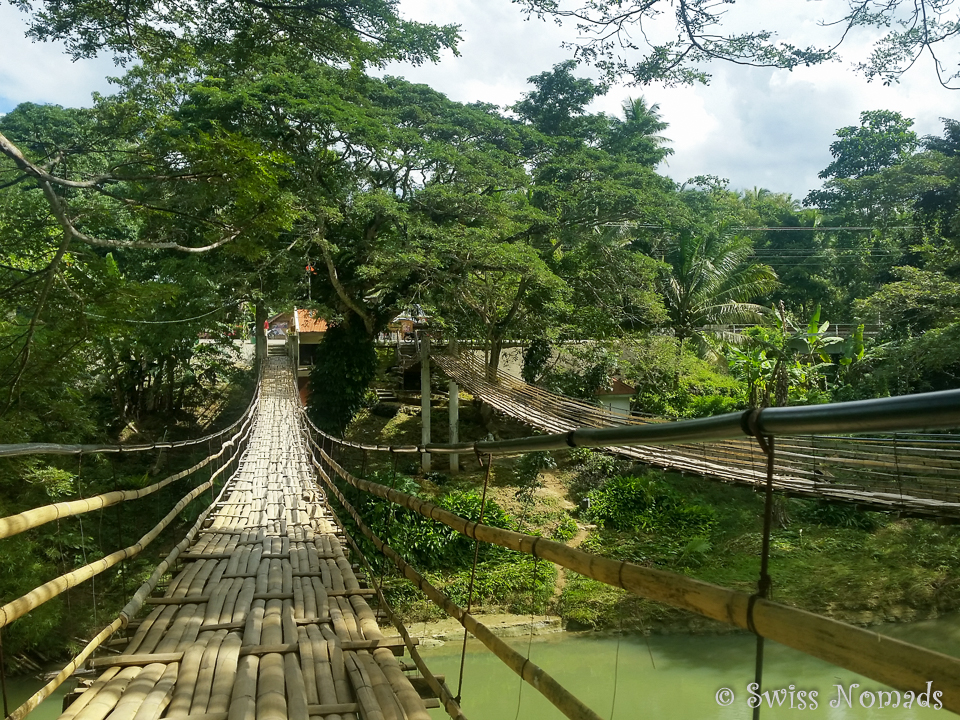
785 358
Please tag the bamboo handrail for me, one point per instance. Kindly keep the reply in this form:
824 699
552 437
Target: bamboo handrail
898 414
553 691
39 595
896 663
28 519
126 614
447 701
17 449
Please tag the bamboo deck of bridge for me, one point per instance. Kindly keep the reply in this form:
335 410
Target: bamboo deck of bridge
266 620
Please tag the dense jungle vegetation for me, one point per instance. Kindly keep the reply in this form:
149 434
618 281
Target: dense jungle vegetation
142 237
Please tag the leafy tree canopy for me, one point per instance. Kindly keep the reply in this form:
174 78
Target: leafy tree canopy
336 31
648 41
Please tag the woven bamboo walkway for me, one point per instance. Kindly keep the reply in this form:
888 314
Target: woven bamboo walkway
267 619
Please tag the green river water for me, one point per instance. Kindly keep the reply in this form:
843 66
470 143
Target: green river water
681 681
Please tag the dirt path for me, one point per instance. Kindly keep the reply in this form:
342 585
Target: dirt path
575 541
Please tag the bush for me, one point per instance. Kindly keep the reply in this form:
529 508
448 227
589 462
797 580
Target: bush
566 529
344 364
517 583
530 465
641 504
592 471
433 546
831 514
673 384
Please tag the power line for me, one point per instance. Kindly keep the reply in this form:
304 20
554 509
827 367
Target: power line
159 322
816 228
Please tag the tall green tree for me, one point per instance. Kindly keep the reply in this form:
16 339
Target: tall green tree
637 135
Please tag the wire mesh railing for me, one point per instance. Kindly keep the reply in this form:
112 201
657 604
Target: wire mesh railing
912 473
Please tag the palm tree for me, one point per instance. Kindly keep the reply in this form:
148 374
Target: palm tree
710 283
636 136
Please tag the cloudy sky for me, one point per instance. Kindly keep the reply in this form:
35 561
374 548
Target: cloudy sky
757 127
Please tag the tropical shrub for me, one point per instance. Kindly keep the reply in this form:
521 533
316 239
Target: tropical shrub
645 505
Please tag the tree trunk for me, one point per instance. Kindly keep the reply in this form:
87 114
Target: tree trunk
260 315
493 362
168 399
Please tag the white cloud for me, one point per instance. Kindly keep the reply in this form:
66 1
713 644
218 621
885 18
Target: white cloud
757 127
41 72
769 128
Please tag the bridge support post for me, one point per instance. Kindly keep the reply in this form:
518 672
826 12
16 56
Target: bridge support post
425 398
454 413
454 391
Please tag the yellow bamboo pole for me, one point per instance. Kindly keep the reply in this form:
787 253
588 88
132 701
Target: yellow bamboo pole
128 612
553 691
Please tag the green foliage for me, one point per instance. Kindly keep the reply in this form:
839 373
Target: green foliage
583 372
787 363
566 529
645 505
884 138
528 467
828 514
675 384
344 364
425 543
357 33
517 583
710 282
592 470
925 363
535 358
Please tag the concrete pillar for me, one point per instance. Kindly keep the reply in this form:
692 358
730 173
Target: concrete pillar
454 413
454 424
425 398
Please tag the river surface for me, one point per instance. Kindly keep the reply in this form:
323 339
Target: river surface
663 677
618 679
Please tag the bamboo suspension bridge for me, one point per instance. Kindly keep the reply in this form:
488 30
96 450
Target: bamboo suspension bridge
264 613
913 474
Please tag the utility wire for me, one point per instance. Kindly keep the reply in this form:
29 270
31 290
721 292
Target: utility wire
160 322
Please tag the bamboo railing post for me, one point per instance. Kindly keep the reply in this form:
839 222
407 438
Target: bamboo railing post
425 398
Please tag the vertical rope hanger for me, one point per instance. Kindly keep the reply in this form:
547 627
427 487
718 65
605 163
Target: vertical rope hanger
213 489
896 460
3 678
473 571
533 610
83 538
764 584
388 510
